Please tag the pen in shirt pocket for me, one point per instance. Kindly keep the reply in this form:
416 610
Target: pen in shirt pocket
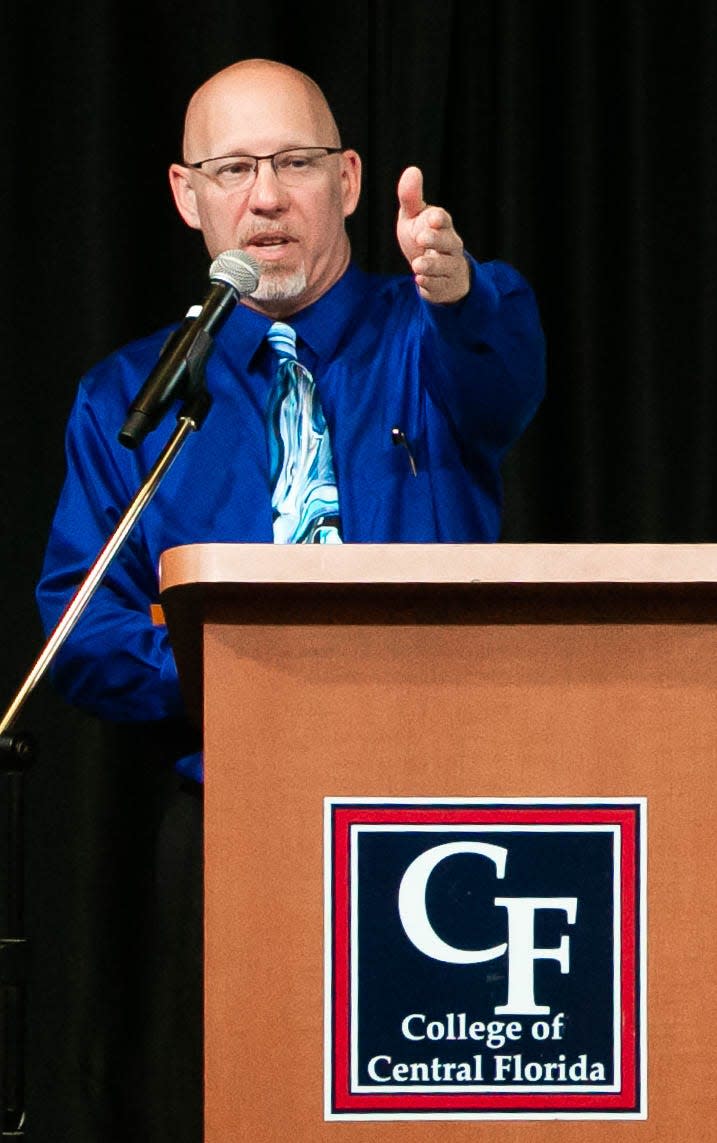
398 437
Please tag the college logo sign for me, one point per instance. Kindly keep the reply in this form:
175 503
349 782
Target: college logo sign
485 959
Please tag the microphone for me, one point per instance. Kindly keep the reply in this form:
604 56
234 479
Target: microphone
232 275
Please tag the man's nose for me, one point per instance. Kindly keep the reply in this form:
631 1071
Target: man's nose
267 192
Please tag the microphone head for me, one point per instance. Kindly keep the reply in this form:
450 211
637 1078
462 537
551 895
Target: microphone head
238 269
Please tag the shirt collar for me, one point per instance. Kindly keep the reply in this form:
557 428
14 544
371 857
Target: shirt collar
320 325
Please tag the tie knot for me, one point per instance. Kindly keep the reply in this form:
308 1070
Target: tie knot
282 339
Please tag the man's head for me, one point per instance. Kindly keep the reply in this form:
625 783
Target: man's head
294 228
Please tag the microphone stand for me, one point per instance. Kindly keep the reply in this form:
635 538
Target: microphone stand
17 754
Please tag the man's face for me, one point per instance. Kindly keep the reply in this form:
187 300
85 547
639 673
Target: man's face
296 234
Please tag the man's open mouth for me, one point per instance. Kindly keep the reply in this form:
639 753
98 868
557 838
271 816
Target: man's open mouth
269 240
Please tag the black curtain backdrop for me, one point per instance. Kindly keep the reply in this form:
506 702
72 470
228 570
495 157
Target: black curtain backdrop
576 139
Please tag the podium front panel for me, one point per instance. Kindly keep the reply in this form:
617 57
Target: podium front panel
300 711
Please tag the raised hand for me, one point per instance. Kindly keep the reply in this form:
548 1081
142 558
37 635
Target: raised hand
430 243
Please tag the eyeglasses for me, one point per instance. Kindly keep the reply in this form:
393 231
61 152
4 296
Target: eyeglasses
292 168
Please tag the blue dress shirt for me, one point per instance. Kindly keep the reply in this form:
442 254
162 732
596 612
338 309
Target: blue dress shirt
461 382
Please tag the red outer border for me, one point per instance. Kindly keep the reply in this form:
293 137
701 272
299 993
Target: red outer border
345 816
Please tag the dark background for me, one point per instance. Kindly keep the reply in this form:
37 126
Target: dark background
573 138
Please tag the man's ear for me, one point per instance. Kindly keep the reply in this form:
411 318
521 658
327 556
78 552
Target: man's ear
185 197
350 181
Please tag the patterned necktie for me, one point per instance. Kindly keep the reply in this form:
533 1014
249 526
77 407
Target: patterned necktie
304 500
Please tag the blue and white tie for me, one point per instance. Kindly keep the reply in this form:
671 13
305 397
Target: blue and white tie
304 501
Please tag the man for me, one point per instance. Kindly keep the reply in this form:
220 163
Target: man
446 360
449 364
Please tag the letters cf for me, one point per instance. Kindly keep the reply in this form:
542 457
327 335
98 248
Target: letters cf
522 953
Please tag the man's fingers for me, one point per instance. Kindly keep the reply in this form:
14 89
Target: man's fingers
432 264
443 239
437 218
441 277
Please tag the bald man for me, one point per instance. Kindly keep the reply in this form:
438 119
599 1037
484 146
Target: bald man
314 378
446 360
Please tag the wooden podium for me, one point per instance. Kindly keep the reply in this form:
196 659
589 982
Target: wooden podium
520 676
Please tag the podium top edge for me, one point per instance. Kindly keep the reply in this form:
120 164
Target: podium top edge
219 563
